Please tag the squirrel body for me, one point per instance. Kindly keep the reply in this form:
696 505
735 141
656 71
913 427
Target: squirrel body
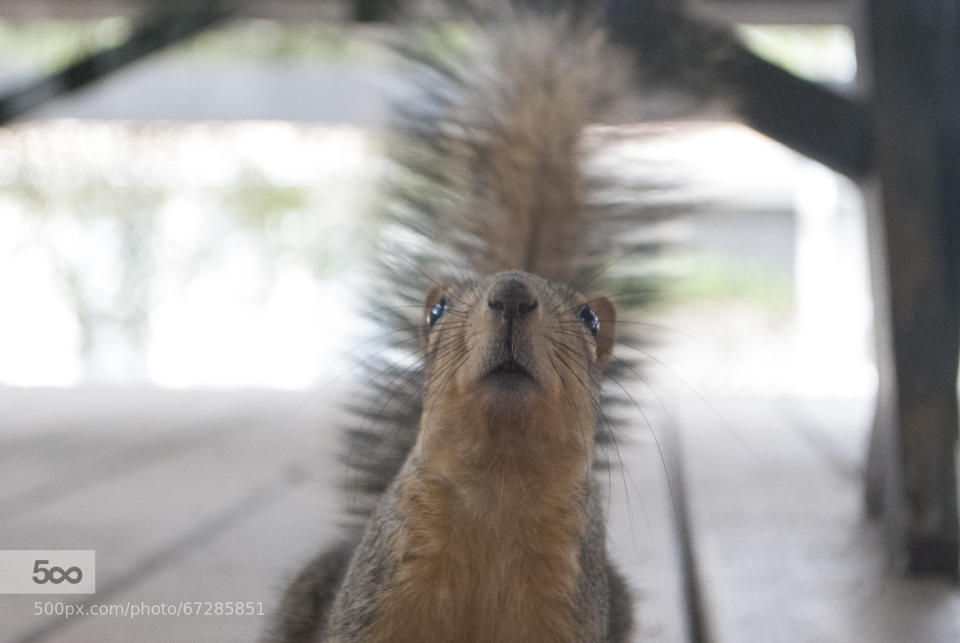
493 526
493 529
488 523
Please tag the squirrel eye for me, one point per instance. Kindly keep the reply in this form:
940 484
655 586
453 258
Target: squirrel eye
590 320
437 311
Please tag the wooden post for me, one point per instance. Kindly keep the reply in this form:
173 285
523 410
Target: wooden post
915 247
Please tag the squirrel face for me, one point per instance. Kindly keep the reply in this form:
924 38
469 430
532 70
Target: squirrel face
511 357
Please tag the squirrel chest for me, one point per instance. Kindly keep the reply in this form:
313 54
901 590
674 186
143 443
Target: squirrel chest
474 566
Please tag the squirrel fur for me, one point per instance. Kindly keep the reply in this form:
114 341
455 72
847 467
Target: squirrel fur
483 519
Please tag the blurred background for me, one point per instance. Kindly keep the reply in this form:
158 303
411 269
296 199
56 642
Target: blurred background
182 248
216 195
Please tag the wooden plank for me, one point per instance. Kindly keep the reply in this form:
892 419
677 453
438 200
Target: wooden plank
915 252
55 441
140 520
62 464
177 527
641 536
248 562
784 553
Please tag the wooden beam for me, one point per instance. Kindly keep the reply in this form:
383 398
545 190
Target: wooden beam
709 62
376 10
286 10
773 12
177 21
912 469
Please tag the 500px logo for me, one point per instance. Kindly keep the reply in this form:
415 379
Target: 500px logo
49 571
55 575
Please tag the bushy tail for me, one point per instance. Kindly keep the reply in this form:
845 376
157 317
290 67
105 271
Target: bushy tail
490 172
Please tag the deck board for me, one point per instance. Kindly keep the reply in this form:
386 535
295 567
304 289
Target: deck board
785 552
143 514
248 562
187 497
157 485
641 537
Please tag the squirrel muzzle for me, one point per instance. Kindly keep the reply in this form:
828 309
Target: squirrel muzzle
513 312
515 344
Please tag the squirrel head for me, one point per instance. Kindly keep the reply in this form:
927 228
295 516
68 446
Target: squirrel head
513 358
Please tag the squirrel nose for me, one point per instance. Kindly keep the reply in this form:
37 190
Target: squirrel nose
511 298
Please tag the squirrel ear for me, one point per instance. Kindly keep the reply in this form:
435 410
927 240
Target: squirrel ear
434 296
606 334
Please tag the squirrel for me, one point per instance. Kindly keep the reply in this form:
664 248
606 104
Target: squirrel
485 521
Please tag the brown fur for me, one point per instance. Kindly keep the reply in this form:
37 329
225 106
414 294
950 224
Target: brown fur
518 161
495 513
492 529
506 574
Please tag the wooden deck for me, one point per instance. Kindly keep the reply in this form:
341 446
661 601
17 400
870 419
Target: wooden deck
220 496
